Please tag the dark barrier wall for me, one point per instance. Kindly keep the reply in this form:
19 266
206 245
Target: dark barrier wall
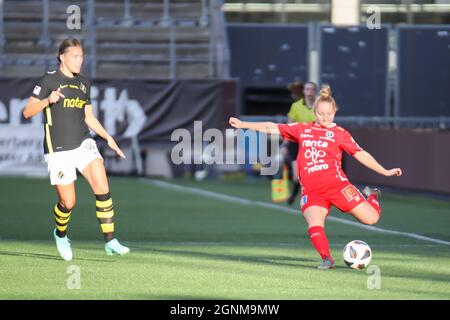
423 155
354 61
151 109
263 54
132 111
423 73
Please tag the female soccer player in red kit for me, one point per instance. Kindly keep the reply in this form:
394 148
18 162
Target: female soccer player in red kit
323 181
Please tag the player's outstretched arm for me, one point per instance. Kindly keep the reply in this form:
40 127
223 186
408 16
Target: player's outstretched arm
93 124
265 127
369 161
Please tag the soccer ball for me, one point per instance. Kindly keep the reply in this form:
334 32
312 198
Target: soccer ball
200 175
357 254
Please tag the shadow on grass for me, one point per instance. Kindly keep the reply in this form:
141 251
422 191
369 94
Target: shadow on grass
45 256
274 260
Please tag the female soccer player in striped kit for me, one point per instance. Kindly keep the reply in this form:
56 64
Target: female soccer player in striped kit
319 166
64 96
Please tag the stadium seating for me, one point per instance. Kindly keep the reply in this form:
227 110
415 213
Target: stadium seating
141 40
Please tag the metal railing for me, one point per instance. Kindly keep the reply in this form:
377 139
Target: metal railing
91 38
289 10
2 33
441 123
222 46
286 6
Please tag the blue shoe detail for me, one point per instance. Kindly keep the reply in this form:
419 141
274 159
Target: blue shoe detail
63 246
114 246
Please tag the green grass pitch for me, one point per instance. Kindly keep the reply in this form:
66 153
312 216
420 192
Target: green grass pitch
192 246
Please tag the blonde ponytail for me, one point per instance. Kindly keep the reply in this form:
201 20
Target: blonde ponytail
325 92
325 96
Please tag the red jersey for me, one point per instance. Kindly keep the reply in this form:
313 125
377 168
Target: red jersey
320 153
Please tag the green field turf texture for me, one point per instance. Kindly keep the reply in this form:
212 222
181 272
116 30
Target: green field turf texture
188 246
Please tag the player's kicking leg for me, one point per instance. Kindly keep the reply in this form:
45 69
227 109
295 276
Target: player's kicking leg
369 211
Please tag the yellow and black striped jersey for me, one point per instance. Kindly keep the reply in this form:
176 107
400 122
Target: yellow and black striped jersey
65 128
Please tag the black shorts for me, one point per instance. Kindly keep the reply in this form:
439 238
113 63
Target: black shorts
292 151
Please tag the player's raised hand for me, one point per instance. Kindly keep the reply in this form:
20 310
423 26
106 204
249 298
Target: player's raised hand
394 172
113 145
55 96
235 123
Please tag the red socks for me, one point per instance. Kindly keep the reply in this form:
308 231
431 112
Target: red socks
320 241
373 201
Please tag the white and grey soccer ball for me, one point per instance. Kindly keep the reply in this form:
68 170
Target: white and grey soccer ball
200 175
357 254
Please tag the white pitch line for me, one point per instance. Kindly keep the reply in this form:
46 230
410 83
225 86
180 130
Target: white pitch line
214 195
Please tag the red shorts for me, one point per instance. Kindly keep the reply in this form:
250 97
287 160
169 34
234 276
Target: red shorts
344 196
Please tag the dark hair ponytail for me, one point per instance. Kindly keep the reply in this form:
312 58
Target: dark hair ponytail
67 43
